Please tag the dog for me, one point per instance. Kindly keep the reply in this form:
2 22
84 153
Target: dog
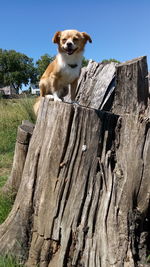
64 71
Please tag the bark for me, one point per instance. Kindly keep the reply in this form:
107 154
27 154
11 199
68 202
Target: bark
84 193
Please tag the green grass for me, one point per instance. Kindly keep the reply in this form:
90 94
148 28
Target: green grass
6 203
12 112
9 261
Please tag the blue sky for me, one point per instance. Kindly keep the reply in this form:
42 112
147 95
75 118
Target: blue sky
119 29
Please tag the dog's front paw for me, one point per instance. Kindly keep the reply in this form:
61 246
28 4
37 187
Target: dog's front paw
50 97
56 98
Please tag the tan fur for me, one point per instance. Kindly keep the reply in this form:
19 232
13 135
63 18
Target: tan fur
59 74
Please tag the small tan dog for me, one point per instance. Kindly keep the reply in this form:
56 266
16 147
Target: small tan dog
64 71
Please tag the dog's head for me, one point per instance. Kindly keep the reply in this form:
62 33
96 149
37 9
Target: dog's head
71 41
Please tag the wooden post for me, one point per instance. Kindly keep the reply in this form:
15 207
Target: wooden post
22 143
84 193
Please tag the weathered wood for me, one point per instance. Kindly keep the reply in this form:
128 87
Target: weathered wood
132 89
84 194
96 84
23 138
58 173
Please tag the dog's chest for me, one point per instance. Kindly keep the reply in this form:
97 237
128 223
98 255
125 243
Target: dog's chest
69 74
69 68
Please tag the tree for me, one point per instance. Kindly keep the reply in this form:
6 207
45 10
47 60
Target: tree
110 60
42 64
85 62
16 69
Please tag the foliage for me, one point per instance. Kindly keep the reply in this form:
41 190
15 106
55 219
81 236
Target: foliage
85 62
16 69
42 64
109 60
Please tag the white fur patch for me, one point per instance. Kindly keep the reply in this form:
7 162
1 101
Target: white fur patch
53 97
50 97
70 74
56 98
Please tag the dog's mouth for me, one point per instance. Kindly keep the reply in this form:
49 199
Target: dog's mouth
70 51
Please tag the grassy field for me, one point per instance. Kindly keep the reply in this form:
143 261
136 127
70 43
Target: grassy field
9 261
12 112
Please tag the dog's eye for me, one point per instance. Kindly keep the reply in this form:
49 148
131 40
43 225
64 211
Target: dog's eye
64 40
75 39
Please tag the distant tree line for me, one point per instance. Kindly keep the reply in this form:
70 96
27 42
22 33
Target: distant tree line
17 69
105 61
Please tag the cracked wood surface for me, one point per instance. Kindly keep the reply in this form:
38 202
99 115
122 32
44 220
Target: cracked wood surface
84 193
96 84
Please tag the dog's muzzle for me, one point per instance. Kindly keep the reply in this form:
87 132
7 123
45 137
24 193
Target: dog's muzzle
70 48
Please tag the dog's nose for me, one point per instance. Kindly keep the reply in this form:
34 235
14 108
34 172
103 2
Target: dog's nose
69 45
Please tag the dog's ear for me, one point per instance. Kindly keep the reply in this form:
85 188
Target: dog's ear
86 37
56 37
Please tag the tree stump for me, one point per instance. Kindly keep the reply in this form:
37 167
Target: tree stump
84 193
